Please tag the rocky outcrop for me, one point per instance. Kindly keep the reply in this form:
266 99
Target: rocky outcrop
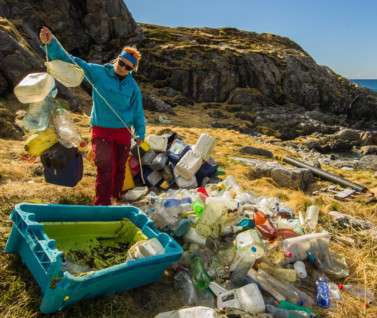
250 69
93 29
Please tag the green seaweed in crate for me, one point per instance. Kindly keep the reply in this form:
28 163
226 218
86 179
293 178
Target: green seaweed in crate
89 246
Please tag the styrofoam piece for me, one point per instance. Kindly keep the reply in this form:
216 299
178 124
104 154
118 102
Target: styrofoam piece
188 166
34 88
204 146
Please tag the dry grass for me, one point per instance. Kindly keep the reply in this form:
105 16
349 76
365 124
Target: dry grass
19 295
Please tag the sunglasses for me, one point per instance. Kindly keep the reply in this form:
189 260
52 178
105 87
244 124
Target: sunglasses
122 64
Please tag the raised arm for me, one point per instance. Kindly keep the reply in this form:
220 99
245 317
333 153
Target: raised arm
56 52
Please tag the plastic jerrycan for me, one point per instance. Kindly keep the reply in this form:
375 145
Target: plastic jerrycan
248 298
250 239
296 248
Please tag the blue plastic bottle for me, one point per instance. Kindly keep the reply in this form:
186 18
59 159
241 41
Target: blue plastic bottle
323 292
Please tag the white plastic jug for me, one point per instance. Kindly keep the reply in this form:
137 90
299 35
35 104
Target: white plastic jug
34 88
193 312
189 165
157 143
204 146
70 75
145 248
247 298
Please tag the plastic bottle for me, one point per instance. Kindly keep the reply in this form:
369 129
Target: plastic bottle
67 132
285 274
296 248
38 115
183 282
289 291
200 276
192 236
249 239
300 269
322 292
198 207
311 218
284 313
359 292
335 293
242 262
289 306
267 230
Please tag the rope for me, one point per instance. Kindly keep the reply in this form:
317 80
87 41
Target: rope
106 103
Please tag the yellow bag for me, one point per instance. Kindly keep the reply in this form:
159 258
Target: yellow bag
128 179
37 144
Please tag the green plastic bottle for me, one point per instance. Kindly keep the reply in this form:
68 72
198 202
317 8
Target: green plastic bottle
289 306
198 207
200 276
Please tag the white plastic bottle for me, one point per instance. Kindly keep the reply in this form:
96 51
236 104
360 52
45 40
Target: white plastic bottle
311 218
300 269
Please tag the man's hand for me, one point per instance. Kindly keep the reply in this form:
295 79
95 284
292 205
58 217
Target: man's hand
45 35
138 141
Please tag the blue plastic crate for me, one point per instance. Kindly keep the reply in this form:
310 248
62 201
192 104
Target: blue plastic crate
61 289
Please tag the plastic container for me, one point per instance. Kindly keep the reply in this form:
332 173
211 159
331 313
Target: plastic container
34 88
247 298
300 269
67 131
284 274
200 276
207 170
159 162
157 143
188 166
183 183
204 146
37 144
62 166
208 224
152 177
38 115
177 150
311 218
147 248
193 312
70 75
322 292
148 158
249 239
296 248
59 288
192 236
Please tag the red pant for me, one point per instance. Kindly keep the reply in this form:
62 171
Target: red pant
111 147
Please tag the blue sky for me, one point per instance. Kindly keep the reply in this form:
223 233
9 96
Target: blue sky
339 33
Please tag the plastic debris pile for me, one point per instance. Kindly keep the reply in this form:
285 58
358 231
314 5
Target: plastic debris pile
246 252
166 161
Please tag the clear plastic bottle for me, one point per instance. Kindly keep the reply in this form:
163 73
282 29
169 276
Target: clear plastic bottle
311 218
359 292
68 134
183 282
285 274
38 115
284 313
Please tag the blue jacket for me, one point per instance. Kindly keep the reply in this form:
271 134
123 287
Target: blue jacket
123 95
